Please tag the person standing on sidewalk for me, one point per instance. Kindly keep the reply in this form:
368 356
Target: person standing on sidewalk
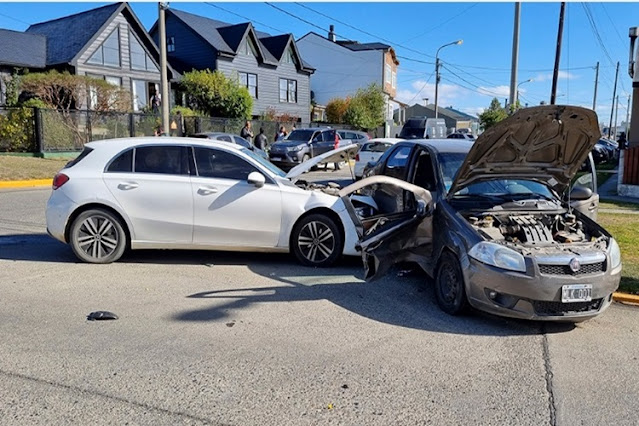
261 140
246 132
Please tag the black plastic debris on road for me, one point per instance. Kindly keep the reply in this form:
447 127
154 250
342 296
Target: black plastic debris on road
101 316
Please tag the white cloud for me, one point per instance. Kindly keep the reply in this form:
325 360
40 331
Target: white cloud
562 75
421 89
475 111
496 91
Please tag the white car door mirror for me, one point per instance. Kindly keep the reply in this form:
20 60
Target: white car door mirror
257 179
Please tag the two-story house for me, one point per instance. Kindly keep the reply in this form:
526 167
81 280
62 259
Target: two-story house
108 42
270 67
344 66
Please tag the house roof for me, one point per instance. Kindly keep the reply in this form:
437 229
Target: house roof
226 37
356 46
68 35
20 49
448 112
460 114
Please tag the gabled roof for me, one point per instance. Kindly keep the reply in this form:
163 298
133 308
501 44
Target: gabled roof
356 46
226 38
22 50
445 111
460 114
68 35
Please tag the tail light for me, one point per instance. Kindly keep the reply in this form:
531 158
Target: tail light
357 157
336 141
59 180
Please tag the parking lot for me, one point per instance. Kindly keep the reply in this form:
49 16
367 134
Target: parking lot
243 339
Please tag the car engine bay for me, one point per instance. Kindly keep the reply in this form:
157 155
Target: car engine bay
533 229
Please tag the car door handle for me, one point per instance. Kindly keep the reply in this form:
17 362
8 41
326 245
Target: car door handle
206 190
125 186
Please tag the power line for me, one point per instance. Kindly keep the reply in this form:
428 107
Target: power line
423 87
244 17
443 23
15 19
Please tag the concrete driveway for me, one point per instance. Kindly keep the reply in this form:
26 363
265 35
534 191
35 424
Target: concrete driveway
255 339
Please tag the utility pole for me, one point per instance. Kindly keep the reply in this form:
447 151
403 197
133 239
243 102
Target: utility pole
555 74
164 83
594 98
614 95
513 68
616 117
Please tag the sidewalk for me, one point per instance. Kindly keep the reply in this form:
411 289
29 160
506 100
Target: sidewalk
608 191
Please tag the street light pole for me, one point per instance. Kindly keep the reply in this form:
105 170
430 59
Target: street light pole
517 92
437 72
164 84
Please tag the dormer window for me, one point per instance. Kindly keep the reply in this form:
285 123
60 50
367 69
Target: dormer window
248 48
289 56
108 53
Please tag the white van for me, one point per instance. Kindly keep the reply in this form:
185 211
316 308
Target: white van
422 128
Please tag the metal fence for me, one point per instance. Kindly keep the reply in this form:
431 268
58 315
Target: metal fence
48 130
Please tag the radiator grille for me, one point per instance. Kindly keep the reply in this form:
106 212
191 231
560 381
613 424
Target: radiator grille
592 268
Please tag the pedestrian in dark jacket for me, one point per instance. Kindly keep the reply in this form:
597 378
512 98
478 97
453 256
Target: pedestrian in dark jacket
261 140
246 132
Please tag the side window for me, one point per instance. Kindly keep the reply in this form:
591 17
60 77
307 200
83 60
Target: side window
242 142
585 177
215 163
317 137
329 136
397 162
224 138
162 159
122 163
424 173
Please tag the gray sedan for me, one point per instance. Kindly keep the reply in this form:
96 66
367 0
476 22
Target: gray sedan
231 138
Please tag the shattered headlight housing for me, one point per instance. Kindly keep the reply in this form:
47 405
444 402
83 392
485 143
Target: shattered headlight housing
498 256
615 253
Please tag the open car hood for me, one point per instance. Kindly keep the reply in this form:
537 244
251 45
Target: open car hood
345 153
546 143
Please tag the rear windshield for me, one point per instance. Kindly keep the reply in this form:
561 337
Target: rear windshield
376 147
301 135
414 131
79 158
414 124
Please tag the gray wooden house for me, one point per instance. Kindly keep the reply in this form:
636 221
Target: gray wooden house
108 42
19 50
270 67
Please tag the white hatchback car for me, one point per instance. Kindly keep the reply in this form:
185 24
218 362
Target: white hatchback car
370 152
184 193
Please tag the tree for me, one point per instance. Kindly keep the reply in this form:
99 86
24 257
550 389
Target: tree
366 108
493 115
336 109
216 95
66 92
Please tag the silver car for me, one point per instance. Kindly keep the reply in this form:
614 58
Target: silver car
495 222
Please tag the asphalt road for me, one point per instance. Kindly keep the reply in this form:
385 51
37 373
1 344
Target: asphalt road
255 339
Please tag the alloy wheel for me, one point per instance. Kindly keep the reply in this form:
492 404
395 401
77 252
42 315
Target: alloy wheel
316 241
97 237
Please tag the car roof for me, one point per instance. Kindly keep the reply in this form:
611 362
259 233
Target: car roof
215 134
120 144
443 145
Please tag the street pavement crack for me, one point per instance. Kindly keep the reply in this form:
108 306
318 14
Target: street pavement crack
112 397
549 376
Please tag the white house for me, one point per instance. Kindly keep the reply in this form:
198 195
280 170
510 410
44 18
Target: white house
343 66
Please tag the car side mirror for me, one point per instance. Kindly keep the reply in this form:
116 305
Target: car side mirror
257 179
580 193
371 164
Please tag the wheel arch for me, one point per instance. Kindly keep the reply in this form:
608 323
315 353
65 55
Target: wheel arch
319 210
90 206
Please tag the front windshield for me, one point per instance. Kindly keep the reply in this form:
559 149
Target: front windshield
301 135
449 163
267 164
507 189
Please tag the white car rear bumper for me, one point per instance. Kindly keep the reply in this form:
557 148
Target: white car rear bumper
59 208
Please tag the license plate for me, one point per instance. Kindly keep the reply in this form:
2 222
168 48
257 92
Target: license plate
576 293
276 158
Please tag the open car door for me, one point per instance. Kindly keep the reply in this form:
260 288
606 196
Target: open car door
393 220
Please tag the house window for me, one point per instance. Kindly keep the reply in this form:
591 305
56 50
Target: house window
249 81
93 92
387 74
170 44
140 60
108 53
3 92
394 80
288 90
248 48
143 92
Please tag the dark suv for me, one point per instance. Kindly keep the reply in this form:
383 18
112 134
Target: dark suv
303 144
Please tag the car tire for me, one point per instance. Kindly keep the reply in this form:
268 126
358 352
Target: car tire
449 285
317 241
97 236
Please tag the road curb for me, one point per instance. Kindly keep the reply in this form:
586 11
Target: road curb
626 298
25 183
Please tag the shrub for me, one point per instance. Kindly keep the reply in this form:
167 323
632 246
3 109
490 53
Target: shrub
217 95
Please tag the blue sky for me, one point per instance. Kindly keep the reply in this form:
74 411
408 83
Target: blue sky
473 73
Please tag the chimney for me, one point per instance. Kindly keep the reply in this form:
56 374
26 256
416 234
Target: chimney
331 33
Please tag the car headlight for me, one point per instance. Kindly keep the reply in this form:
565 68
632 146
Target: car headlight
294 148
615 253
498 256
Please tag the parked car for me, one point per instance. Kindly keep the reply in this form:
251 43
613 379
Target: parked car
611 147
231 138
490 221
465 136
303 144
353 136
600 153
423 127
370 152
188 193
